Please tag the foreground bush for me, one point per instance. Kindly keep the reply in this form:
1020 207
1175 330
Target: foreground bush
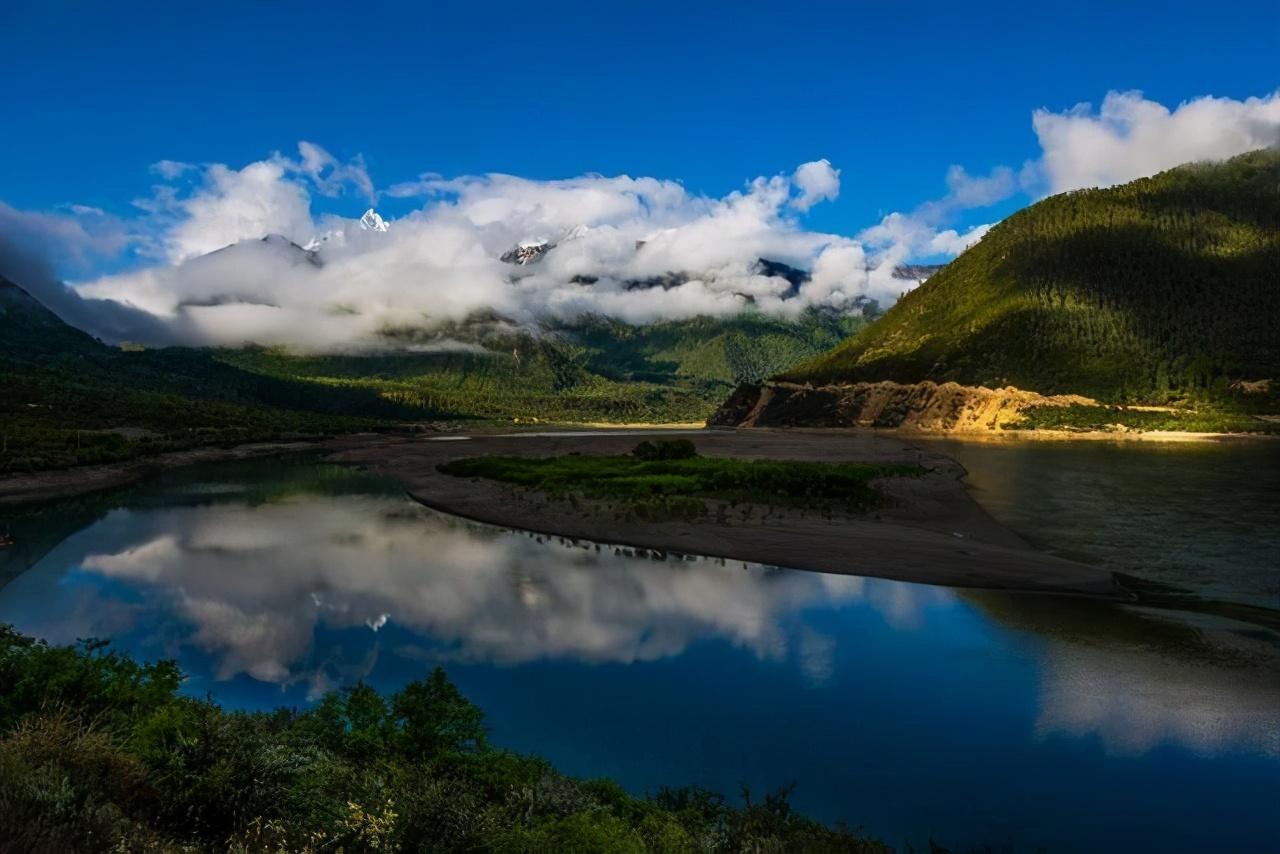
98 752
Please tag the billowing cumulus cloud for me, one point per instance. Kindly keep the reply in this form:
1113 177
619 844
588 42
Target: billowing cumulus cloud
1132 137
636 248
639 249
817 181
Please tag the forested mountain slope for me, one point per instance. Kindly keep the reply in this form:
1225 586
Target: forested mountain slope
67 398
1162 289
593 369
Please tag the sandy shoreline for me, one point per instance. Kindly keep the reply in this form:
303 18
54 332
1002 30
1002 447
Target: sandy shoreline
933 532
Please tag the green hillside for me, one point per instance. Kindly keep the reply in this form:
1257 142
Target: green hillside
1164 289
595 369
67 399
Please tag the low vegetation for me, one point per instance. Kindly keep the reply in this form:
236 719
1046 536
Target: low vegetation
668 478
102 753
1120 418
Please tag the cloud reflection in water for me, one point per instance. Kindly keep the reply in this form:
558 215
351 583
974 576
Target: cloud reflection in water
310 589
254 583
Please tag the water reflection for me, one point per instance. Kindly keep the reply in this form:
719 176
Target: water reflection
250 585
886 701
290 577
1136 679
1204 517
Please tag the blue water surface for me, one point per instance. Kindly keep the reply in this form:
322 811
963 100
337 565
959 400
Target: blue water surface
973 718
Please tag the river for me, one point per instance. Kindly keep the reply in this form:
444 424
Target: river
1020 722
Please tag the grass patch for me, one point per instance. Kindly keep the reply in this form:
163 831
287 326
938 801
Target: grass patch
656 487
1108 418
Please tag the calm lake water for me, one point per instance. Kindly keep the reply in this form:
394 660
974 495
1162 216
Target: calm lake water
1014 721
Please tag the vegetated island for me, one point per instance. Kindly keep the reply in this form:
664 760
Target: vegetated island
667 479
833 501
102 753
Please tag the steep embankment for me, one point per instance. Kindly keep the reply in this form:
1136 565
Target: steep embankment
1161 289
918 406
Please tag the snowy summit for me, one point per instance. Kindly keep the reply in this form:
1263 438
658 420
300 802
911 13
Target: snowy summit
371 221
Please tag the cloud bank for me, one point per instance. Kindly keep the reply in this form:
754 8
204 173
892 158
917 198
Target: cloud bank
636 248
1131 137
639 249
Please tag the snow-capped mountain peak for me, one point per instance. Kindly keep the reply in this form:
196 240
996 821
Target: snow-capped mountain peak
531 249
527 252
372 221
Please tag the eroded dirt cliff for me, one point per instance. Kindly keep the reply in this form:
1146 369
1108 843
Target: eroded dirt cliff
927 406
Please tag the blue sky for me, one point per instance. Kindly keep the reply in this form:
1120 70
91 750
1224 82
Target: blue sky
711 94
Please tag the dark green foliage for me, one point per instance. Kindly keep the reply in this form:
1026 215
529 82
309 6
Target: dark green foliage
434 717
110 757
665 449
1162 289
67 399
682 482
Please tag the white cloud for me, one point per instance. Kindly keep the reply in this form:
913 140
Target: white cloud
951 242
817 181
235 205
969 191
441 262
331 176
1132 137
490 597
77 238
171 169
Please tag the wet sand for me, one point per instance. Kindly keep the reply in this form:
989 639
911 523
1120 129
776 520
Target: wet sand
931 531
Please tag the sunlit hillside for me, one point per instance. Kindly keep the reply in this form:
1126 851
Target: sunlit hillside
1163 288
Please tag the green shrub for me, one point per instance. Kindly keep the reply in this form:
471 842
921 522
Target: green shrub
652 487
358 772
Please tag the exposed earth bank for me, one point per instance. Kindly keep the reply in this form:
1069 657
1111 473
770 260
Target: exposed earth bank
930 530
949 407
928 407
